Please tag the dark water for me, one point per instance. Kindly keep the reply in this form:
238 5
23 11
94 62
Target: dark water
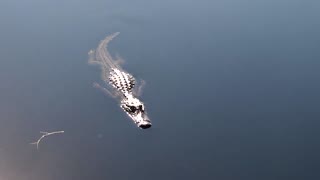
232 90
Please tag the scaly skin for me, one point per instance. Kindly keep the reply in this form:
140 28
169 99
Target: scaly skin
124 82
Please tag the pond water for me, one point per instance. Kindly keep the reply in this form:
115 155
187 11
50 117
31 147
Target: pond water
232 89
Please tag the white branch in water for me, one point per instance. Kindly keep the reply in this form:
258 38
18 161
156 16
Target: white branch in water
44 135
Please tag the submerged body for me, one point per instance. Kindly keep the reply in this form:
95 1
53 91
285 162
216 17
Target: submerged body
122 83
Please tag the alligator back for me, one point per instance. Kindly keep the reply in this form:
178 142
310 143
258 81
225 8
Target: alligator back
122 81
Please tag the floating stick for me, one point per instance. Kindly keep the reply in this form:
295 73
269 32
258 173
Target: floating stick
44 135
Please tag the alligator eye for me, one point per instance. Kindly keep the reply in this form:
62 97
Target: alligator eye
133 109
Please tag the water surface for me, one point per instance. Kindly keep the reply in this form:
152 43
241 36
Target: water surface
232 90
